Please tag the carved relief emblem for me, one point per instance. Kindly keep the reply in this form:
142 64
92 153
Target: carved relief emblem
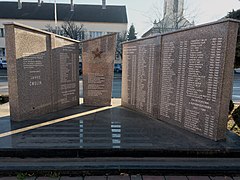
97 53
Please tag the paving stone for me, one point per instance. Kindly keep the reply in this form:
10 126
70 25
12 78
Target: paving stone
47 178
136 177
30 178
236 178
71 178
198 178
221 178
15 178
118 177
95 178
176 178
153 177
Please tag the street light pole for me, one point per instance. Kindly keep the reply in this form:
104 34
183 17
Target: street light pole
55 14
103 4
19 4
72 5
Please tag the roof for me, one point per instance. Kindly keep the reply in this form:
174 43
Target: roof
148 33
167 26
82 13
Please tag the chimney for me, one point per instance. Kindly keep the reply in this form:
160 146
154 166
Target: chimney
72 5
103 4
19 4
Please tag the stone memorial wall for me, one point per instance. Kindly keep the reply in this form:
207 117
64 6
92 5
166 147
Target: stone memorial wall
66 74
98 60
141 61
195 77
42 71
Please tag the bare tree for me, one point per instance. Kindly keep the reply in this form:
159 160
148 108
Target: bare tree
55 30
173 21
68 29
73 31
121 37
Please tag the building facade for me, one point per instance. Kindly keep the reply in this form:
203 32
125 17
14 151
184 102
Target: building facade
173 18
96 20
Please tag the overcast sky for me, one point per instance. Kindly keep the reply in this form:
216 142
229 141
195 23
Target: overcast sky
143 12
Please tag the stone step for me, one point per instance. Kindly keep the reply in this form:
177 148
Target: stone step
182 166
141 150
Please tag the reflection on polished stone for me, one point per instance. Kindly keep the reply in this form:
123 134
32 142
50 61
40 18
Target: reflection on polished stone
116 134
112 128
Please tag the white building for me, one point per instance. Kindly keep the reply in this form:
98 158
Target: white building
96 19
173 18
173 7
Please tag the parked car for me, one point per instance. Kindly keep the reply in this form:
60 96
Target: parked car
80 68
3 64
237 70
117 68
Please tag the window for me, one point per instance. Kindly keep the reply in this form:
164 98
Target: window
2 52
2 34
81 36
94 34
99 34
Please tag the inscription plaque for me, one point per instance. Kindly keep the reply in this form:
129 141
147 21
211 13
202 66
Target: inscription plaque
140 71
195 77
65 57
98 58
42 71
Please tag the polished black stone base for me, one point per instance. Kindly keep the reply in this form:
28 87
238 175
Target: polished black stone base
116 132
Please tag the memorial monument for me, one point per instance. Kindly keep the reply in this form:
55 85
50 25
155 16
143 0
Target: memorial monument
42 71
191 79
98 56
